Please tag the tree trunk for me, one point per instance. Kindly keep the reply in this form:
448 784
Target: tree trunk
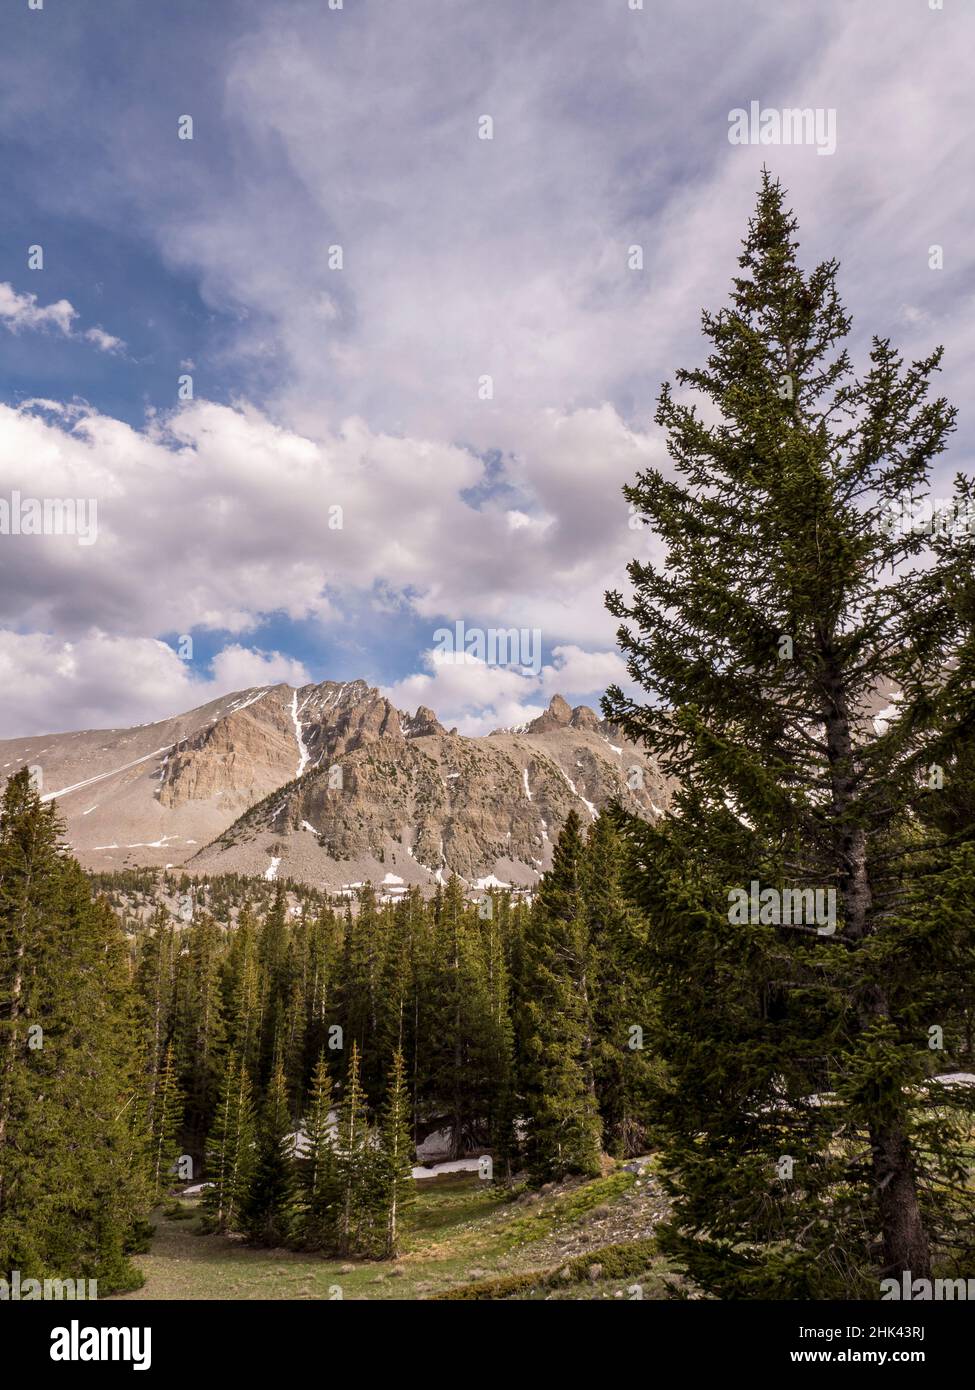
905 1242
905 1239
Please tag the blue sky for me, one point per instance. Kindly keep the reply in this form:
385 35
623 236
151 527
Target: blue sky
462 258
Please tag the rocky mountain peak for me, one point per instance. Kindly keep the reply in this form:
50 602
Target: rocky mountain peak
422 724
557 716
584 718
331 784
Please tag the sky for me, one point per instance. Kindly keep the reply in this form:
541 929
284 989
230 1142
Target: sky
340 372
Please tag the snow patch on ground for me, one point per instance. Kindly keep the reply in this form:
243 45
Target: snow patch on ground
528 790
457 1165
271 872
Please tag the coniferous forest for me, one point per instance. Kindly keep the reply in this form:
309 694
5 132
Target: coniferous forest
792 1075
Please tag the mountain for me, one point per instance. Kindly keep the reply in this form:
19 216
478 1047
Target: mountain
332 785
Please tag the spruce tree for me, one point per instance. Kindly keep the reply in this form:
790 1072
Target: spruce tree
318 1222
500 1096
558 1083
230 1149
73 1186
785 607
201 1022
363 949
323 947
360 1215
243 992
625 1067
30 911
155 982
396 1154
165 1121
459 1021
269 1213
274 974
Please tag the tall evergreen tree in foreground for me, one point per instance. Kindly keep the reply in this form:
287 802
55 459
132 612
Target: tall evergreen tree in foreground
790 601
73 1188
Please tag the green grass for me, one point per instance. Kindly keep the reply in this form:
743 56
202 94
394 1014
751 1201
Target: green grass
566 1207
464 1233
615 1263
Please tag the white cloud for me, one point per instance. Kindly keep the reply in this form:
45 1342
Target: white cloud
105 342
509 257
469 694
464 257
19 311
577 672
477 697
236 668
101 681
216 518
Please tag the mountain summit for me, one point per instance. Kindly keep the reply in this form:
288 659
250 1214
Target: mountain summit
332 785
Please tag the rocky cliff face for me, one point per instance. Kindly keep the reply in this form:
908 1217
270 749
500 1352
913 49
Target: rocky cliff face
275 738
332 785
248 752
414 804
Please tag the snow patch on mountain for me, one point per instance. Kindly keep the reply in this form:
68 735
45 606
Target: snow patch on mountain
299 737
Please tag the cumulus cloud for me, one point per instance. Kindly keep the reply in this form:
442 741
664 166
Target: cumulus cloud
236 668
103 681
462 259
19 311
216 517
468 693
476 697
105 342
578 673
